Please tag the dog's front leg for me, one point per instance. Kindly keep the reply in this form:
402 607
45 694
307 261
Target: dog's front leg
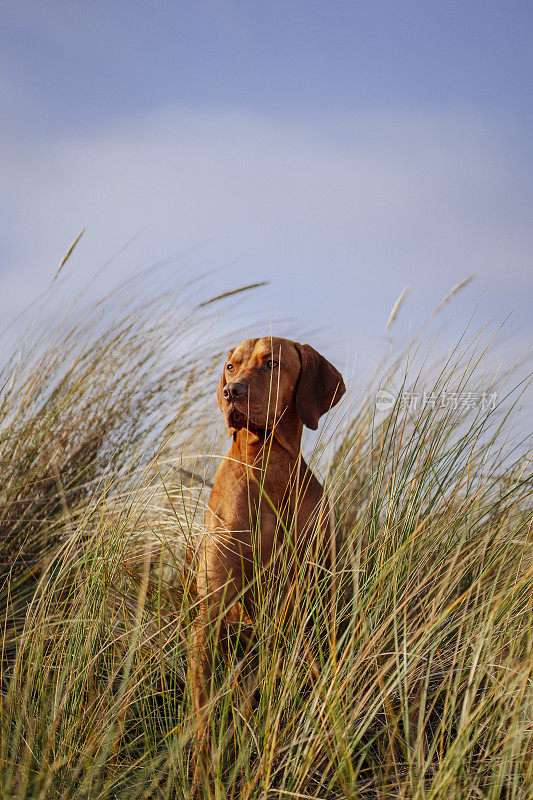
202 651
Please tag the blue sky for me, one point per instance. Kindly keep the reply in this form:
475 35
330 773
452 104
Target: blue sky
342 149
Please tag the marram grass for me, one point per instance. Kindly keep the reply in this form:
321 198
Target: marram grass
424 687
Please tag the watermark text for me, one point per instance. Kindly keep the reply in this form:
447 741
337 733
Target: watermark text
412 401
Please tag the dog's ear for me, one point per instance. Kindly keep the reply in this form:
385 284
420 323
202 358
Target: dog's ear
320 386
221 385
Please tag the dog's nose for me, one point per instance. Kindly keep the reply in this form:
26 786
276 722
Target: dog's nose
233 390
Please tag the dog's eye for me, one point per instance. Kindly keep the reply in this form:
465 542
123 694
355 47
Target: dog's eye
230 367
271 364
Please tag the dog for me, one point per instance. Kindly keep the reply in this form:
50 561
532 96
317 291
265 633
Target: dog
270 388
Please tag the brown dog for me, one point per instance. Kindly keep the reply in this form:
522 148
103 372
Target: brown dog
270 388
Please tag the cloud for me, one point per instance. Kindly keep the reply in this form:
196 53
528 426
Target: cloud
340 213
67 24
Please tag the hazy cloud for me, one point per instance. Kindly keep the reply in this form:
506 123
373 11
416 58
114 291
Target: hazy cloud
350 209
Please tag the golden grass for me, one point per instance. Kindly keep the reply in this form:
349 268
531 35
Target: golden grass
106 448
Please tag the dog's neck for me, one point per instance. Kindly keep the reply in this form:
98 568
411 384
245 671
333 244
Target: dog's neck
265 448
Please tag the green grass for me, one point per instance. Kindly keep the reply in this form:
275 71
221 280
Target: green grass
107 444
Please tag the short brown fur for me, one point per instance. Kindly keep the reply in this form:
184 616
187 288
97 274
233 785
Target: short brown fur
270 388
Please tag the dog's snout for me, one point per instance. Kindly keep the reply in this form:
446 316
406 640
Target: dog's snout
233 390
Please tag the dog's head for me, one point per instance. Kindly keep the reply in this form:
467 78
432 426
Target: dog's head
267 379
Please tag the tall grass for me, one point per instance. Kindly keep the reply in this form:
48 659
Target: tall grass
424 684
